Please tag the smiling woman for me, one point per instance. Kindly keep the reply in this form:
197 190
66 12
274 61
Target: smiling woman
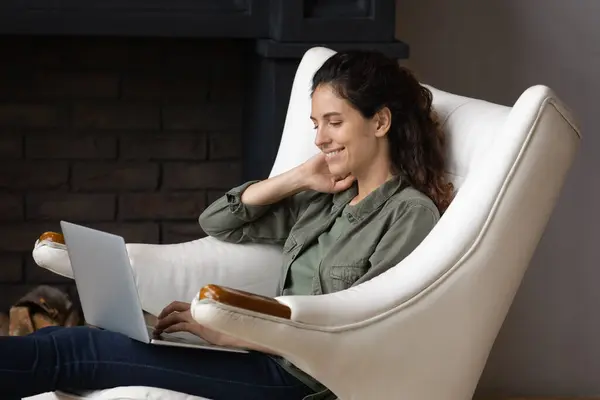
344 216
377 119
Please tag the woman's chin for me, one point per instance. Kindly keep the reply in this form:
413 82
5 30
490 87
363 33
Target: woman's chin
338 170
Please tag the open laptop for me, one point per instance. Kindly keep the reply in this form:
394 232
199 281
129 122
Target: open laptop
108 292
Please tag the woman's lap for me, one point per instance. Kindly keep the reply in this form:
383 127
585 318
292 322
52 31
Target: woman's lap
89 358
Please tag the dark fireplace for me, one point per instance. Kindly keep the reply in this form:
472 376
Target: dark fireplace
132 116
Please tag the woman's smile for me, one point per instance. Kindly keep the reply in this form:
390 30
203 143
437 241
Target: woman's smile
334 155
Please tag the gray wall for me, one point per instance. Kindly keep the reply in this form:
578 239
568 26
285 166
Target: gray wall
495 49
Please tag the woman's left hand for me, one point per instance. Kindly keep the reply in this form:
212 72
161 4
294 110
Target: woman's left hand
177 317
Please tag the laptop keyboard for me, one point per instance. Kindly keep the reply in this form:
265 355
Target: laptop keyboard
178 337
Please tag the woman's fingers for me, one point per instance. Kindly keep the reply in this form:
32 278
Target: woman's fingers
169 320
178 306
343 184
180 327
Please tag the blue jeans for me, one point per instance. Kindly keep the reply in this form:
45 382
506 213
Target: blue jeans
83 358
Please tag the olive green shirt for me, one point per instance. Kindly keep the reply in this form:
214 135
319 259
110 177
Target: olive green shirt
302 271
383 228
328 245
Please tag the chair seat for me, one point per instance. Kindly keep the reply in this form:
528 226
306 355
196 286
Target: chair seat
123 392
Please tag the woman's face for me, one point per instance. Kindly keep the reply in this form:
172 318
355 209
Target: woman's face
347 139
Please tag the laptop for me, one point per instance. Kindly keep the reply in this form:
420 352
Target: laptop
108 292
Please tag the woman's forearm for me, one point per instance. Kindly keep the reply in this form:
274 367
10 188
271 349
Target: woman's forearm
274 189
226 340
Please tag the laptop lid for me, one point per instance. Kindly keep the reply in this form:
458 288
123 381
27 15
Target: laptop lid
105 281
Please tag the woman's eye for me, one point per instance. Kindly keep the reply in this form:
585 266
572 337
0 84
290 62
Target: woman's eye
316 127
337 123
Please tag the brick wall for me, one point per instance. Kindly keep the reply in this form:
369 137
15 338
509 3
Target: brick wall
133 136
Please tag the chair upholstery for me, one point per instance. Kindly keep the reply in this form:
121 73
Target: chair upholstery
423 329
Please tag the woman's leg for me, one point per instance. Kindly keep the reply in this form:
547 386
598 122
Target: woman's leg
83 358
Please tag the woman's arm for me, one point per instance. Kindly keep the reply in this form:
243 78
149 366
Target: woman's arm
275 189
258 211
265 211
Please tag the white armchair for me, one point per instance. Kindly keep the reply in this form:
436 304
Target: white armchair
423 329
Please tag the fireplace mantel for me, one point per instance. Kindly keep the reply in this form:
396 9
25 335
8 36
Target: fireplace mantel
281 20
278 33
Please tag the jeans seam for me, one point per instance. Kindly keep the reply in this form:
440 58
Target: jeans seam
185 373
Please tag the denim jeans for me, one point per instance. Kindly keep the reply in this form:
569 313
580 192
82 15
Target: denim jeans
82 358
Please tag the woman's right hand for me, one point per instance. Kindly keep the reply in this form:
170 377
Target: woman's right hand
313 174
317 176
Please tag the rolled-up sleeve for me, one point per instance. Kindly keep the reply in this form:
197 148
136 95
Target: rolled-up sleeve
229 219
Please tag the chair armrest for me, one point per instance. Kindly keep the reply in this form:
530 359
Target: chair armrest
245 300
168 272
52 237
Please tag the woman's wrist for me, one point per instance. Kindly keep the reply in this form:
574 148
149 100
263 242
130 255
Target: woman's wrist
298 179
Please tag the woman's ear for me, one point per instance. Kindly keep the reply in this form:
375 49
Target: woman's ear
383 120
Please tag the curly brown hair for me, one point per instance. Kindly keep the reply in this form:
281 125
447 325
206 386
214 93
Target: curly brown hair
370 81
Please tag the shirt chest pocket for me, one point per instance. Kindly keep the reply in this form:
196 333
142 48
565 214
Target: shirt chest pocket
343 275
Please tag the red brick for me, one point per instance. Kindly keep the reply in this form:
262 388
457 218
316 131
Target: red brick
118 176
146 53
33 175
145 85
145 232
179 232
11 267
225 145
227 82
96 52
70 206
29 115
65 85
36 274
22 236
186 205
201 116
193 87
85 146
155 85
31 51
11 207
11 145
164 146
116 115
209 175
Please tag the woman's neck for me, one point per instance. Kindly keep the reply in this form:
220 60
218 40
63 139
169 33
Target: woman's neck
367 182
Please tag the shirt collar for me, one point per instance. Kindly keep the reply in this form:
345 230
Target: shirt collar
373 201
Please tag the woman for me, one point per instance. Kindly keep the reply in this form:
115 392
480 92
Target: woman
346 215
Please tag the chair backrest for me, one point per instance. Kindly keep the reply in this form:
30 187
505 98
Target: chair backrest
470 126
297 140
443 305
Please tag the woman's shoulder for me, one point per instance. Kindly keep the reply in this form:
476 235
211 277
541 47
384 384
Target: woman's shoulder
409 200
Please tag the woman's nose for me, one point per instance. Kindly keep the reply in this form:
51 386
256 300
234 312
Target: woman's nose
320 138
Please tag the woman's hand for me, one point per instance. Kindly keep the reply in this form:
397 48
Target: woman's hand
319 178
177 317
